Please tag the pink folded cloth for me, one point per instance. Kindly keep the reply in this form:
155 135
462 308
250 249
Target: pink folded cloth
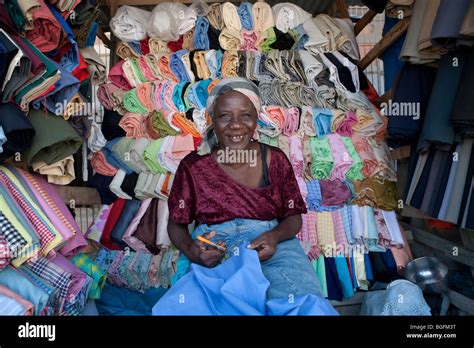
46 34
342 159
118 78
134 125
366 154
145 69
145 95
168 96
104 94
249 40
292 119
159 85
345 128
101 166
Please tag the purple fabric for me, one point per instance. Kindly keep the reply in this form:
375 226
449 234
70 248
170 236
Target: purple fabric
76 242
334 192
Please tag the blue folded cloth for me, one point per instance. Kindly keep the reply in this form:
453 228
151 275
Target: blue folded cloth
245 15
201 39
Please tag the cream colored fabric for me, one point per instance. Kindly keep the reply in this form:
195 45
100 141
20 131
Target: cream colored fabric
59 173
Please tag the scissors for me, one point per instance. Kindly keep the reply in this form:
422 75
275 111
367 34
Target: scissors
207 241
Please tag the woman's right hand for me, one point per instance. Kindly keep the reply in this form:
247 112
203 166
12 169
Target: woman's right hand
198 252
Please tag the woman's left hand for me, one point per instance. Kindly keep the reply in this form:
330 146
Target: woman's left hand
265 245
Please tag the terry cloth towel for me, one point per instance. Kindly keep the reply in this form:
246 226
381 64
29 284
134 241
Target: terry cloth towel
46 32
201 39
262 16
95 65
129 23
126 50
229 40
132 103
18 130
288 16
245 14
157 46
134 125
55 139
231 17
59 173
100 165
215 16
164 21
117 76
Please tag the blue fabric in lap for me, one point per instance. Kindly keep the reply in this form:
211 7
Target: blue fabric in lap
236 287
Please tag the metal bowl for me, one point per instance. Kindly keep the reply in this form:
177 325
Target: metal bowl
429 273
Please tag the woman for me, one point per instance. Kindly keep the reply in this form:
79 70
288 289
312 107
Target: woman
233 199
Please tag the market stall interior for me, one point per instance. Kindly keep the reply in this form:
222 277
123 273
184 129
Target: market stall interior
386 170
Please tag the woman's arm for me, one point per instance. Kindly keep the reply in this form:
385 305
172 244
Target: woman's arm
267 242
195 250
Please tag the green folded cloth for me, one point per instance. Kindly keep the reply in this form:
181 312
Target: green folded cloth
122 149
150 157
161 125
355 171
16 14
138 72
266 139
55 139
87 265
270 39
322 158
35 82
132 103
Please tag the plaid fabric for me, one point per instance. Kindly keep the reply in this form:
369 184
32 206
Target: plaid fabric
44 234
54 302
339 233
325 230
88 266
346 214
53 274
13 238
314 198
4 253
308 235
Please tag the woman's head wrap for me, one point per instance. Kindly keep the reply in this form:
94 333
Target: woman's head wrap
235 84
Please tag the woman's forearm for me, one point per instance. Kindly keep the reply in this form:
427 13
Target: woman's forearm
179 236
287 228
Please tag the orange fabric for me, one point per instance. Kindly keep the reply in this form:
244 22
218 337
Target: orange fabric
188 127
164 67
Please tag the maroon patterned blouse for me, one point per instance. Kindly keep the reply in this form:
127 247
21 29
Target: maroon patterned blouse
202 191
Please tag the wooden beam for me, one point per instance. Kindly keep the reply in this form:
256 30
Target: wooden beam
400 152
449 249
342 8
385 43
462 302
104 38
79 196
362 23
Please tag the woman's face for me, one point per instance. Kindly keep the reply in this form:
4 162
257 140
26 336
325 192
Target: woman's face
234 120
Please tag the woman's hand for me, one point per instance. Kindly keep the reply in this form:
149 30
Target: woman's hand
265 245
200 253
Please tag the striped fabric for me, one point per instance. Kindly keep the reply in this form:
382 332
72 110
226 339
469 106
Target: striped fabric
49 201
44 234
9 306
